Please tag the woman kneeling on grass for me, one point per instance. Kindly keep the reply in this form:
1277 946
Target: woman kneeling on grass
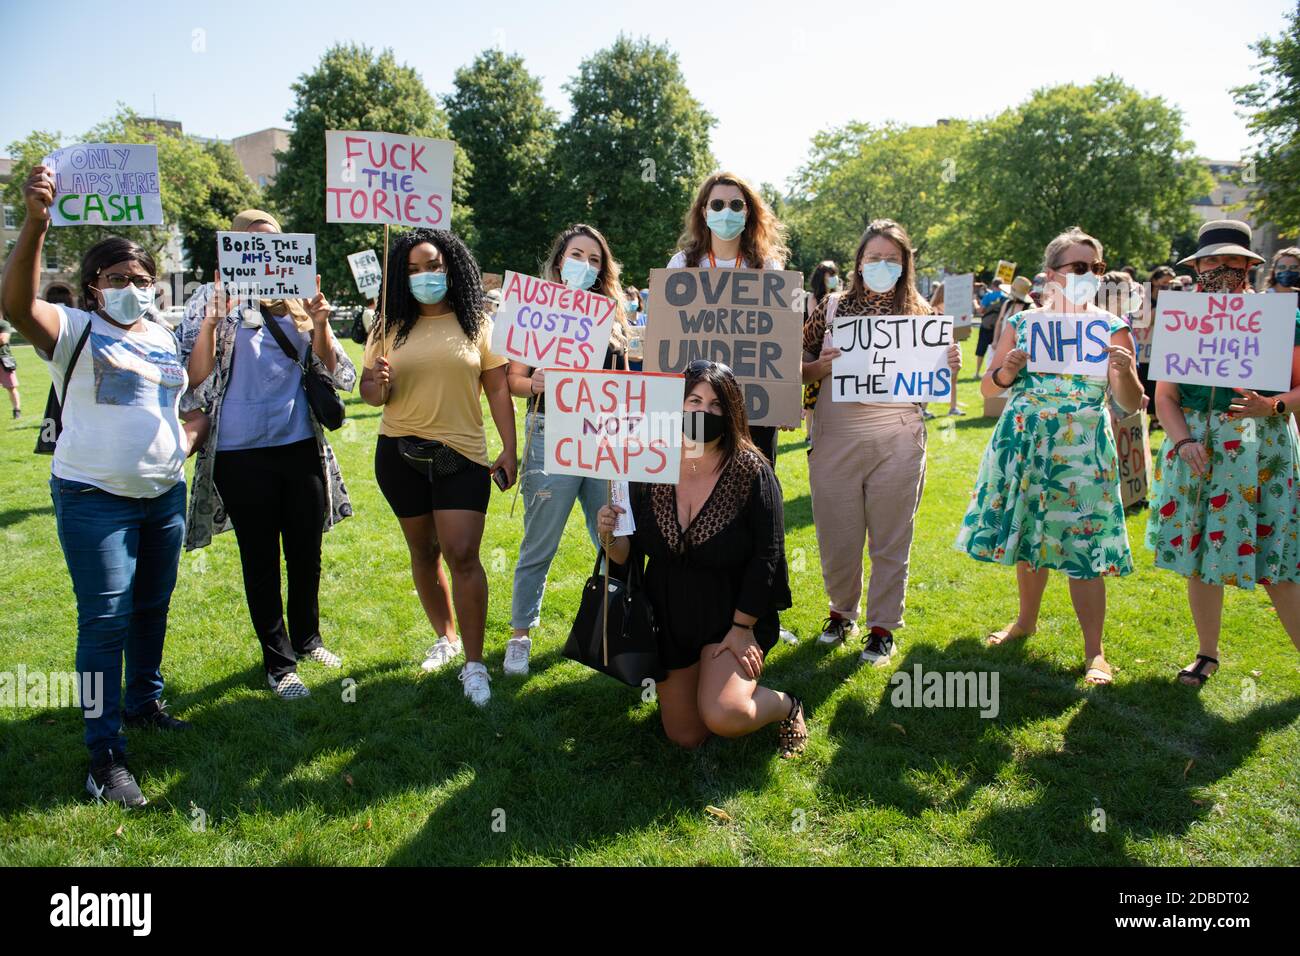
716 576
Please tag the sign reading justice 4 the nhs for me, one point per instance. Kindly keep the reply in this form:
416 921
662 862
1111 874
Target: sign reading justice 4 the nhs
891 358
1226 340
98 184
1068 343
743 318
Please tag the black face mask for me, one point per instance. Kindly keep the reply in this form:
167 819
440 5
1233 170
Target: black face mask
703 426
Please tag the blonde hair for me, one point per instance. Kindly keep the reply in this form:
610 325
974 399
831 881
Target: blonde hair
907 301
763 237
1074 236
607 279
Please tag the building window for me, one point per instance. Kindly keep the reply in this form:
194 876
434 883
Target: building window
9 246
51 262
11 218
261 181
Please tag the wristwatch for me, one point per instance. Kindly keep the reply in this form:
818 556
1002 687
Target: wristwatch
1279 407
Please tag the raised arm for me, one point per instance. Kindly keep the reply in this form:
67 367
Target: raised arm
35 318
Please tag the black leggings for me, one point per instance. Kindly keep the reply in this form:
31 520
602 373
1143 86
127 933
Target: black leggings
273 494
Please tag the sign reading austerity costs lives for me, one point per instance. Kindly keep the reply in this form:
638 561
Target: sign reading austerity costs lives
548 325
387 178
1224 339
891 358
98 184
269 265
743 318
623 426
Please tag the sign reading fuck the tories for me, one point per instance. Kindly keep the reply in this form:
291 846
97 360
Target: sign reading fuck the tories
388 178
268 265
1228 340
891 358
622 426
100 184
742 318
548 325
1068 343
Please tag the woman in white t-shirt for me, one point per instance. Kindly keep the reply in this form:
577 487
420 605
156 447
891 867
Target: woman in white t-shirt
118 475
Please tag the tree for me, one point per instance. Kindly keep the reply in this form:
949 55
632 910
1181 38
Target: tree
352 88
632 154
1102 157
1273 105
230 192
497 115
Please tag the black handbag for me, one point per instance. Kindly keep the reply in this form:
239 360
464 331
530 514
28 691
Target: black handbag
358 331
431 458
632 639
323 400
47 436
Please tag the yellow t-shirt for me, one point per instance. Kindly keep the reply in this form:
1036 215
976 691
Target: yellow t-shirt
435 384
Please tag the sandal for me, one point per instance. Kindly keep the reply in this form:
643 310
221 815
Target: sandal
793 732
1097 672
1006 635
1197 671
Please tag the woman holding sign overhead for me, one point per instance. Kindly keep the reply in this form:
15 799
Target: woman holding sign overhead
581 259
1048 496
1224 507
268 470
426 364
866 464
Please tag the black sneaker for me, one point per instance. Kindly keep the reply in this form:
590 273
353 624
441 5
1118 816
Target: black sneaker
837 629
880 647
155 715
18 413
110 781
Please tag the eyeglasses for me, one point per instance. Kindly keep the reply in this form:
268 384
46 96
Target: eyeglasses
736 205
120 280
1082 268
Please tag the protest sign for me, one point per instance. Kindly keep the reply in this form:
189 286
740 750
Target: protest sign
958 298
548 325
891 358
1006 271
1134 451
620 495
1142 335
1068 343
743 318
622 426
366 273
98 184
387 178
268 265
491 280
1228 340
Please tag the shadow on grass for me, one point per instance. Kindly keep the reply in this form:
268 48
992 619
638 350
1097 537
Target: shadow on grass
15 515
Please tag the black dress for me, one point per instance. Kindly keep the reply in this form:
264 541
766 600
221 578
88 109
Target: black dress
731 558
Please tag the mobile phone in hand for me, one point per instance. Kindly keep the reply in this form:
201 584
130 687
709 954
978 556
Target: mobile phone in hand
499 476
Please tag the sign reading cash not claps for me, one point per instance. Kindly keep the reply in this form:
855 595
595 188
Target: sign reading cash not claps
268 265
100 184
1227 340
891 358
1068 343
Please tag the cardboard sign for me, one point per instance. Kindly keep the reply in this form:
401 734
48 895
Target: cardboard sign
1134 450
622 426
548 325
891 358
491 280
958 299
388 178
1224 340
101 184
367 273
1006 271
269 265
743 318
1068 343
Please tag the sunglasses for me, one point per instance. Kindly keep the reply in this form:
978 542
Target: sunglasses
119 280
1082 268
736 205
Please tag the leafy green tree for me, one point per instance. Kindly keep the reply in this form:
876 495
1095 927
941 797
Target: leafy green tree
633 152
497 115
353 88
230 192
1273 105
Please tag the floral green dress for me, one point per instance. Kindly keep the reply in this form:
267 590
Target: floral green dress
1048 488
1241 524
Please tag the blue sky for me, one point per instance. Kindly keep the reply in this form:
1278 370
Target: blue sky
772 73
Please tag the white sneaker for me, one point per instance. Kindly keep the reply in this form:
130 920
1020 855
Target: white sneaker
474 676
440 655
790 637
321 656
837 629
517 651
288 687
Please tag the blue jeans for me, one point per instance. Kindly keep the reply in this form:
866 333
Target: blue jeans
548 500
122 554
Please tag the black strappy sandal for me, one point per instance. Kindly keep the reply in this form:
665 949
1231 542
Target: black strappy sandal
793 740
1197 671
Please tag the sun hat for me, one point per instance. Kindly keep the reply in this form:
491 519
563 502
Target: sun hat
1223 237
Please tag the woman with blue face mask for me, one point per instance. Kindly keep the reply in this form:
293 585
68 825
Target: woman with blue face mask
426 363
117 479
1284 271
580 258
1047 496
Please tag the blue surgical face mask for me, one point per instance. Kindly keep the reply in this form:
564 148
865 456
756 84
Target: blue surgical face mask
578 274
630 305
124 306
832 283
1081 290
725 224
881 276
429 287
1288 277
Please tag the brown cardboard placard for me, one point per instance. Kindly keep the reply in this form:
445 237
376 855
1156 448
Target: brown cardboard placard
1133 447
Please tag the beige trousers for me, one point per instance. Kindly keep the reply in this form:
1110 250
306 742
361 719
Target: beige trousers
867 472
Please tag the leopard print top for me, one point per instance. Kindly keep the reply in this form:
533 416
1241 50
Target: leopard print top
728 499
814 330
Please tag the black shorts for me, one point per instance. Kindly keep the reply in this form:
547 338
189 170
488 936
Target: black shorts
411 494
984 341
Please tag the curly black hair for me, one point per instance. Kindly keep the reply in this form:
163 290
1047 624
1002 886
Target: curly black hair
464 283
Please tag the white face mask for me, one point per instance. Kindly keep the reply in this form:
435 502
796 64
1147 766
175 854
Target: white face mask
124 306
1080 290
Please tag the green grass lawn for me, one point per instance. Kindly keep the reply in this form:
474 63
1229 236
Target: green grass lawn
576 766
